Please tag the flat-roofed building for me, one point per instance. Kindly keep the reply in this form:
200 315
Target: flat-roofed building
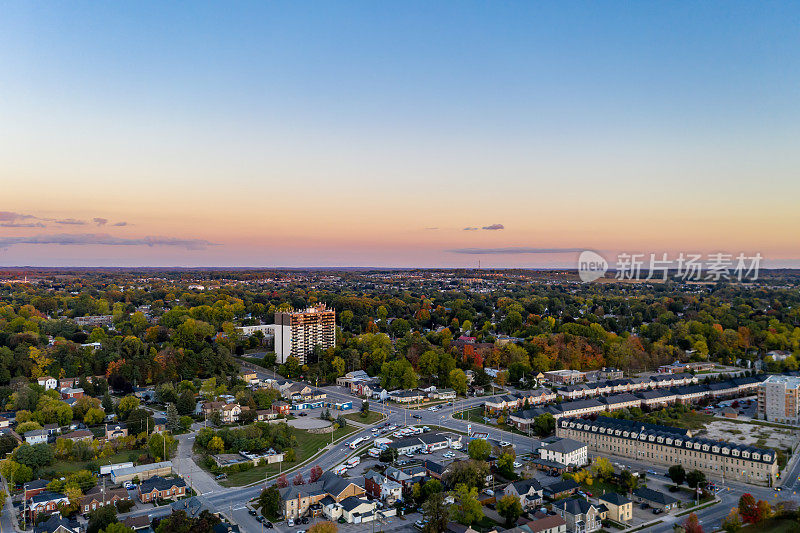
297 333
668 446
778 399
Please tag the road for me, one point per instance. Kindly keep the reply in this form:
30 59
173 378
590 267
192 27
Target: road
233 501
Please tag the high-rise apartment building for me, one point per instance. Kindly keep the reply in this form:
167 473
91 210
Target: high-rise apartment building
297 333
778 399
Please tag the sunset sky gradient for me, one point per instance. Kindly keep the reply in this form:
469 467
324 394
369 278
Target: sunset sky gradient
374 133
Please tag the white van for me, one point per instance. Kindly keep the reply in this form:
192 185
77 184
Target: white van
353 462
340 470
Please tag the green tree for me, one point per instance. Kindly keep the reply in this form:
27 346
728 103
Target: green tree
126 405
479 449
388 455
732 522
505 466
628 481
116 527
162 446
677 474
458 381
186 403
544 424
270 502
216 445
101 518
173 418
509 508
466 508
695 478
436 512
94 416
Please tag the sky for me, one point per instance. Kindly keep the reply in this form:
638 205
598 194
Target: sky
396 134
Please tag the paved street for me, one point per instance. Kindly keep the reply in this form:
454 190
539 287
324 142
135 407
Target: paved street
233 501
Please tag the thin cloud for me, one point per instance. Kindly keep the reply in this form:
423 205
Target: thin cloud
431 229
494 227
22 225
514 250
9 216
70 222
103 239
120 224
100 221
470 228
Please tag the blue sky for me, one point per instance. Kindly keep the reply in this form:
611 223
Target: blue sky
373 120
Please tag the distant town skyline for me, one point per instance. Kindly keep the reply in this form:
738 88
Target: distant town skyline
406 135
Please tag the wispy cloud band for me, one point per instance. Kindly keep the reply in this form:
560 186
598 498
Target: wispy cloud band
514 250
103 239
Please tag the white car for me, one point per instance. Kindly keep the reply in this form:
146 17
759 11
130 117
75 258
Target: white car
517 465
504 443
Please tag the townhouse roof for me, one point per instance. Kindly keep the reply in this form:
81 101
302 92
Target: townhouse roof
563 445
654 496
576 506
675 437
328 483
614 498
159 483
523 486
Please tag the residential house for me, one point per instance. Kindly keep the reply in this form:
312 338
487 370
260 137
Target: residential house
566 452
116 431
32 488
265 414
121 475
159 488
655 499
98 497
36 436
281 408
138 523
48 382
230 412
353 510
619 507
407 396
297 500
379 486
209 408
580 515
559 489
545 524
45 502
57 524
78 435
70 393
529 492
443 394
4 422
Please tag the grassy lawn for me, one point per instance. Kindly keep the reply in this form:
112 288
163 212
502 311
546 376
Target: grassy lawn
473 415
308 445
485 524
65 467
372 417
773 525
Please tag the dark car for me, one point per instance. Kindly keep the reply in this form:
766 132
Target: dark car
303 414
305 520
415 416
252 512
267 524
657 511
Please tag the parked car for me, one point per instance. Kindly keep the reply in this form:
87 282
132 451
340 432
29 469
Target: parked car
252 512
415 416
222 476
290 523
